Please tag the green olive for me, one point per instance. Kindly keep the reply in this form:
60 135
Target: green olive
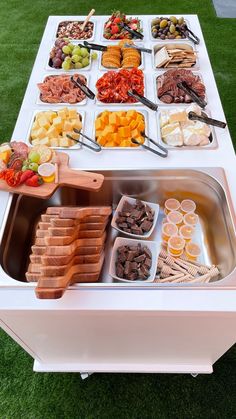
163 23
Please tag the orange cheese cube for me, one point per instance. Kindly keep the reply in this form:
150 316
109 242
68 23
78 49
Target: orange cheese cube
133 124
141 126
121 113
113 118
135 133
132 114
125 143
105 117
123 121
115 138
124 131
101 140
99 124
109 129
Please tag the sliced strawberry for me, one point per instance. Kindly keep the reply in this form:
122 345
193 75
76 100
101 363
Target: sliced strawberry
115 29
117 20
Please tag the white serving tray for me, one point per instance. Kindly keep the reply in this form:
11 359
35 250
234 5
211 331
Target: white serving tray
54 108
82 103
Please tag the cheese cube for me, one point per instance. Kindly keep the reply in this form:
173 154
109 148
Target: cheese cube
52 132
64 142
41 133
35 142
72 113
44 141
43 122
167 129
57 122
54 142
76 123
177 115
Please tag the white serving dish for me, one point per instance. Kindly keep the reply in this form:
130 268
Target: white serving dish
83 102
51 108
112 40
60 70
173 44
154 247
164 40
81 39
98 102
159 102
213 145
154 207
142 111
102 68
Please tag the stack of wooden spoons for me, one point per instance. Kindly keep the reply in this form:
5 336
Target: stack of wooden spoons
68 247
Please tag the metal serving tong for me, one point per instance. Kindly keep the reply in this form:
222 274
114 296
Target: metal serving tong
96 146
83 87
190 92
135 34
194 38
96 47
163 149
210 121
141 49
143 100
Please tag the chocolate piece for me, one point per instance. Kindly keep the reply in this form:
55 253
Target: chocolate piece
146 225
137 230
148 263
133 262
147 252
140 258
138 218
119 270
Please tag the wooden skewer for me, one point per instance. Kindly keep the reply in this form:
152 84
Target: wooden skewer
87 19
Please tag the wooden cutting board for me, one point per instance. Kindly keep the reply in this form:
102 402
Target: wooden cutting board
66 177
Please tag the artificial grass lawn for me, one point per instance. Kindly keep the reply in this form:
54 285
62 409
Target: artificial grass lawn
24 394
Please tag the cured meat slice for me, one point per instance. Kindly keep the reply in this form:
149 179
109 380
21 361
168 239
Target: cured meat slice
113 86
60 89
167 86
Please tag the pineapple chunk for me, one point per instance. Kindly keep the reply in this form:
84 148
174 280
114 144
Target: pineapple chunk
34 134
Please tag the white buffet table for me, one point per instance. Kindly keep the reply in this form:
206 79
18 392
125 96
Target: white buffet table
121 329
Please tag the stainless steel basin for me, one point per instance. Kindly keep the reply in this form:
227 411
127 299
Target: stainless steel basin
207 187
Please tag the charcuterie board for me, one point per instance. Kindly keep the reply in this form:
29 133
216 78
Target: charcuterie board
66 177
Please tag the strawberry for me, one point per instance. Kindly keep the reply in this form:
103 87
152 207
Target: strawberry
115 29
133 26
34 181
117 20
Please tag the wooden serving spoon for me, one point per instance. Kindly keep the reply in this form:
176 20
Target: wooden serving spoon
91 13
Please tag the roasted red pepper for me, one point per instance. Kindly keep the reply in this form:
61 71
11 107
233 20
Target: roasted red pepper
34 181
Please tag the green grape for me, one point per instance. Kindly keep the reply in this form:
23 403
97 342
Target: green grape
78 65
84 52
76 50
75 58
94 56
33 166
85 62
66 49
66 65
24 168
34 157
68 59
71 46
